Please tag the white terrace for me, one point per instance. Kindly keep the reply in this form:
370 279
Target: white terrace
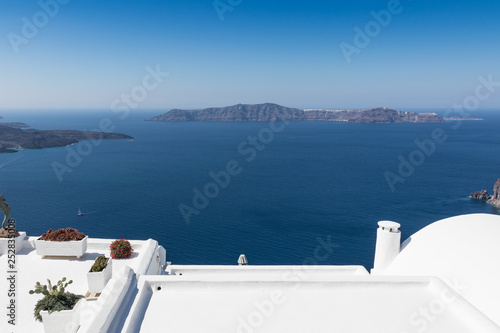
444 278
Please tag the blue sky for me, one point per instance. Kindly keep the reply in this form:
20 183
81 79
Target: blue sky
92 52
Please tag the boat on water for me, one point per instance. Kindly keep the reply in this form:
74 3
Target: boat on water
79 213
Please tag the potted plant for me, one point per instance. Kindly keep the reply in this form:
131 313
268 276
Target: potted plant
67 242
121 249
99 274
59 310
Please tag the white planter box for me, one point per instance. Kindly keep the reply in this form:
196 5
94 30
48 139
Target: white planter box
66 321
66 249
98 280
4 243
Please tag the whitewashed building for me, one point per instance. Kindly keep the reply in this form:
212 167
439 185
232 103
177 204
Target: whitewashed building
444 278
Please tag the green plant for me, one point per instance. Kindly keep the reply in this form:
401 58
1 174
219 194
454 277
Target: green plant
56 298
121 249
62 235
100 264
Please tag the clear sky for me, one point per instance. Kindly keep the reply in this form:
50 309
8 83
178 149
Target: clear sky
88 53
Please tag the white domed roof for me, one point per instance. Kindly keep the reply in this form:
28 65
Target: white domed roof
464 251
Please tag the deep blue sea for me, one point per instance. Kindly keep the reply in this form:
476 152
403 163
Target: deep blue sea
307 182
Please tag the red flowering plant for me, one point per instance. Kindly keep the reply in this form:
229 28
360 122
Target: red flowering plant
121 249
62 235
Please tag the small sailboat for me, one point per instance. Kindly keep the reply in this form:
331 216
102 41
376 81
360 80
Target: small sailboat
79 213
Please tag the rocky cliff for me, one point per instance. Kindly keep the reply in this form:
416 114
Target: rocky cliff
495 199
269 111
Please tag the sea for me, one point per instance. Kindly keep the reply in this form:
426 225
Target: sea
297 193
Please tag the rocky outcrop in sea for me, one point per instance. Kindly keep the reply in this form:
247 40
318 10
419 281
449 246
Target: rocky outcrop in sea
480 195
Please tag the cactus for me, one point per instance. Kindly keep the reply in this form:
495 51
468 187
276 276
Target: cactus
57 290
4 207
99 264
55 297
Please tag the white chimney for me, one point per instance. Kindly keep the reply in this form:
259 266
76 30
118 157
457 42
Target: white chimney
242 260
388 245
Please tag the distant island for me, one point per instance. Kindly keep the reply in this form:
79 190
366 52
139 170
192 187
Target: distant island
270 111
13 137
